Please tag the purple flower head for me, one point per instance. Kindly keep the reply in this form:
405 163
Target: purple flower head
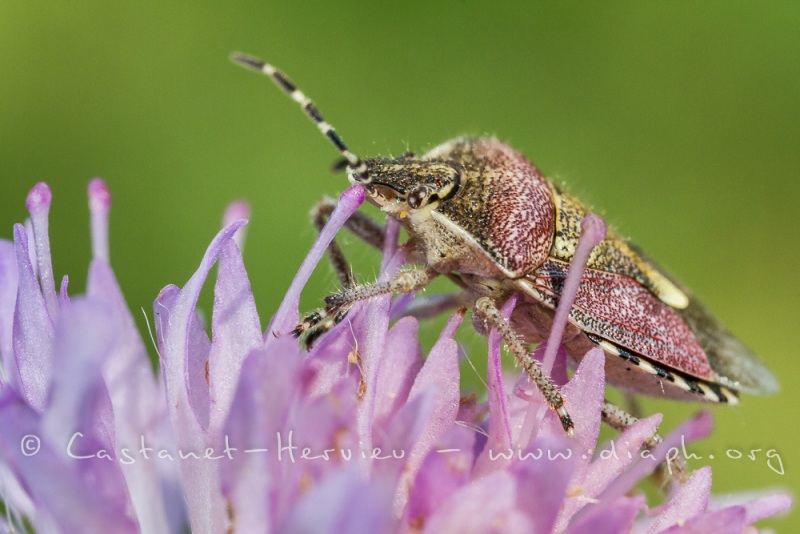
76 382
241 430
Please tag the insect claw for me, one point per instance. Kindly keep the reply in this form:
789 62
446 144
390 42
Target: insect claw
309 321
566 420
312 337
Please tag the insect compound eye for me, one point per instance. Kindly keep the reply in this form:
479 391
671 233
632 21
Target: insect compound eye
417 196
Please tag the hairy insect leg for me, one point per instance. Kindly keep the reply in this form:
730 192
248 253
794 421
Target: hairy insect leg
619 420
373 233
361 225
338 304
486 308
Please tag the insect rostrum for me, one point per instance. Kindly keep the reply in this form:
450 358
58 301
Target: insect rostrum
480 213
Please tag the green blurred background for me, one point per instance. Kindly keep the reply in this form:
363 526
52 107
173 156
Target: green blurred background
678 121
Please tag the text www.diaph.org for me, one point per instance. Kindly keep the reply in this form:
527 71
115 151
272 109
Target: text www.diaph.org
286 450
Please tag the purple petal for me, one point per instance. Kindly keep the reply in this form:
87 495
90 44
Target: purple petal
63 295
559 371
401 303
33 329
99 206
8 299
613 460
695 428
609 517
543 475
38 204
28 225
370 329
162 307
584 396
689 501
79 414
78 400
201 478
441 372
238 209
500 437
323 433
344 502
17 500
199 346
399 366
757 506
527 409
267 386
488 504
767 506
66 492
329 359
139 405
127 370
398 441
443 472
236 330
440 377
287 315
727 521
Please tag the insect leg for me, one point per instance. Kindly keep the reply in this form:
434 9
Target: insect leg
432 305
486 308
338 304
363 226
619 420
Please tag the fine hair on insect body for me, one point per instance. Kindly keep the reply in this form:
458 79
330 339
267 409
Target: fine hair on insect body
479 213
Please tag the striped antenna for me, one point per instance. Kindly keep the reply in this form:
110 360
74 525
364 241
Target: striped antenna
353 162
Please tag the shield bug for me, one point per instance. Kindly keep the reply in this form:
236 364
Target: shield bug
480 213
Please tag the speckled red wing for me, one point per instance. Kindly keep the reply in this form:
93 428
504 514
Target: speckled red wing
618 309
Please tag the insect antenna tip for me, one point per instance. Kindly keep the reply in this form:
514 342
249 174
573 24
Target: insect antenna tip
246 61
